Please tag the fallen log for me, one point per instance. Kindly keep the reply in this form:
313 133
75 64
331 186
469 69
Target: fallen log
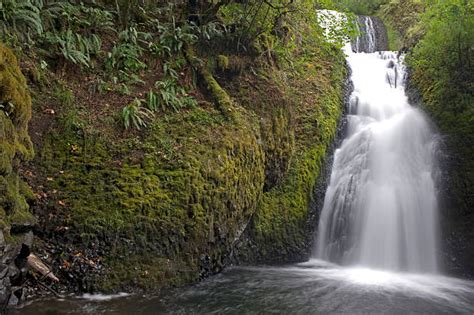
37 265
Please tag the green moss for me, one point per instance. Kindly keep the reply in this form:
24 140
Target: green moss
180 191
183 190
15 144
403 17
280 223
146 272
299 113
223 62
394 37
222 100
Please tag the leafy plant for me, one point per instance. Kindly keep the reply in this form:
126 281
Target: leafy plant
169 71
125 55
135 115
73 31
63 15
152 101
74 47
174 37
64 95
171 95
211 30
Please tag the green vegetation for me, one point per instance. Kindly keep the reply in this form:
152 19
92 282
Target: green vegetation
403 20
172 95
15 143
443 72
443 64
236 105
360 7
135 115
20 20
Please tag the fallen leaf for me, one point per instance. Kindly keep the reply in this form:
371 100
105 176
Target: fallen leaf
66 264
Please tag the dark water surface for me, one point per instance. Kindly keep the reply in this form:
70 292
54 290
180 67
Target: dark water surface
307 288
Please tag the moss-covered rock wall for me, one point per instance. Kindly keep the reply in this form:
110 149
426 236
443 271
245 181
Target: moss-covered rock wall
299 121
165 207
15 143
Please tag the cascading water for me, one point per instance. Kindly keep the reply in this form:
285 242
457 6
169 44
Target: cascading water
380 208
365 42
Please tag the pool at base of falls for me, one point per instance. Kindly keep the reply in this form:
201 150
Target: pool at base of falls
312 287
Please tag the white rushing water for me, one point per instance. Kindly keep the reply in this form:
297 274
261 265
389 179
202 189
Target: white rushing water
380 208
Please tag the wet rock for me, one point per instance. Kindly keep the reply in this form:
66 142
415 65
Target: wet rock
28 239
4 292
2 241
17 296
3 271
22 257
14 274
8 254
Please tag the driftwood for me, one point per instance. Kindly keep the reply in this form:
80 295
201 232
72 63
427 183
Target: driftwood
37 265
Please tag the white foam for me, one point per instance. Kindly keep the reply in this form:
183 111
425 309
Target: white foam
103 297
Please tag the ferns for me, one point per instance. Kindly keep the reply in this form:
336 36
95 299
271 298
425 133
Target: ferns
73 29
173 96
62 15
135 115
170 95
152 101
20 18
73 46
174 37
125 56
74 32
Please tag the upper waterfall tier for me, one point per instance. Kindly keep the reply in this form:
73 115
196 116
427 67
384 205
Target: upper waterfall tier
373 35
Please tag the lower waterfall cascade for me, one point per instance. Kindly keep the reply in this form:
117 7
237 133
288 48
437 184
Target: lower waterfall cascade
380 208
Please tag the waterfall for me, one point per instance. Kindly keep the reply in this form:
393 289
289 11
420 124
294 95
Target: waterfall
380 208
373 35
366 41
